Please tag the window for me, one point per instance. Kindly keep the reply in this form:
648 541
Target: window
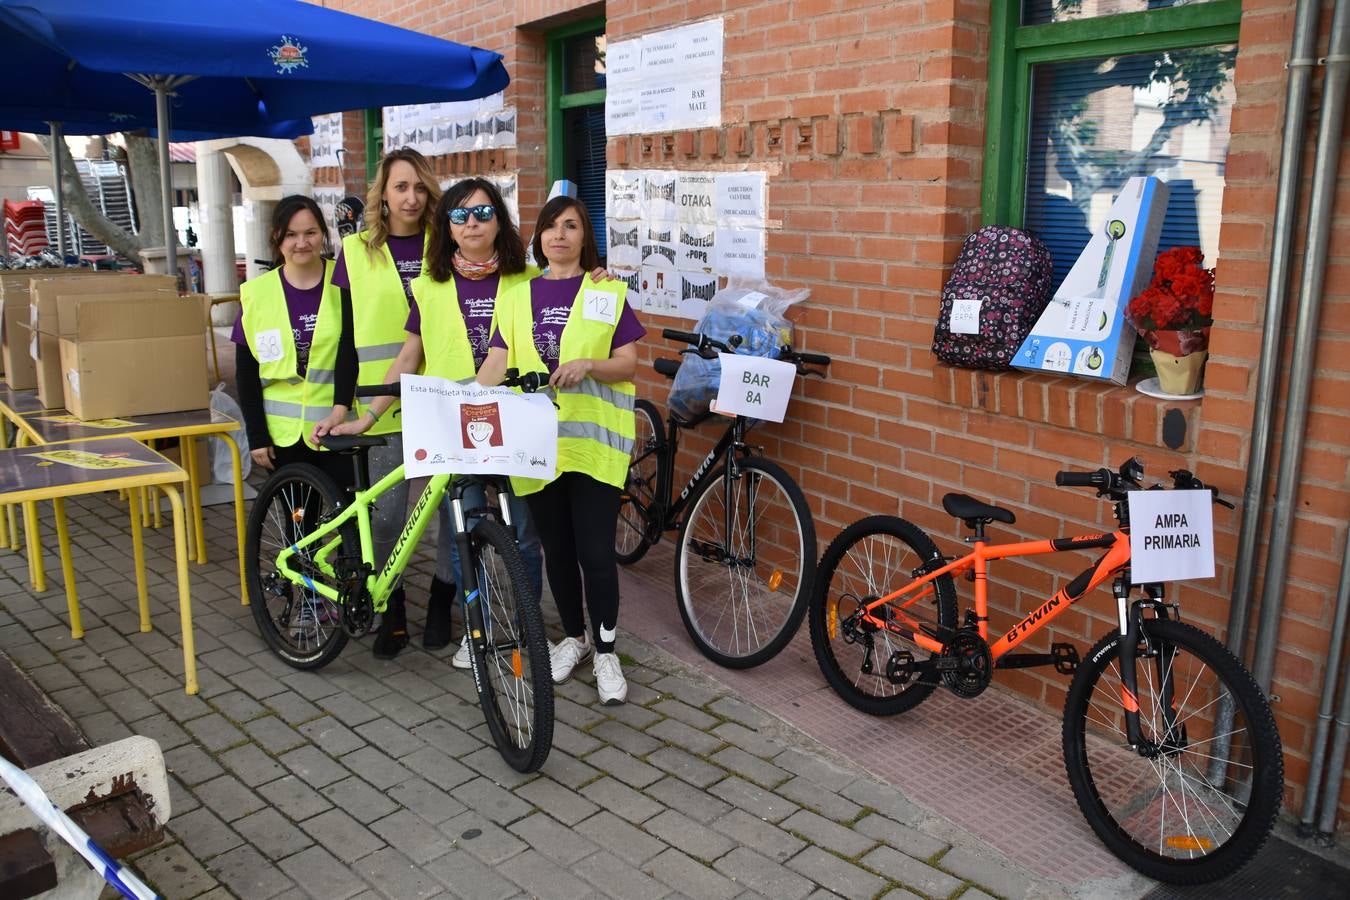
576 116
1084 94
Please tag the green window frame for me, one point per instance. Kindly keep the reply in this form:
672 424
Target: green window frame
1014 48
374 141
555 100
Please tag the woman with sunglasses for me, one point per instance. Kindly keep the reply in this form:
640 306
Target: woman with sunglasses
376 267
583 333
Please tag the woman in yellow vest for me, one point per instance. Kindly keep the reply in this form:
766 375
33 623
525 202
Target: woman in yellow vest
474 255
376 268
583 333
288 345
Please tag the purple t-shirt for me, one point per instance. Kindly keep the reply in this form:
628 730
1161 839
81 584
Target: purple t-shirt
303 305
407 253
476 301
551 302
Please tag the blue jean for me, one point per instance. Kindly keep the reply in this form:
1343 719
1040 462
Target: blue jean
447 554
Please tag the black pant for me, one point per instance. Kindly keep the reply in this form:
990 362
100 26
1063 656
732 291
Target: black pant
337 466
576 517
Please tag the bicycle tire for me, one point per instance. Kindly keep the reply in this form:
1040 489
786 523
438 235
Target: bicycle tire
308 636
1138 828
511 671
753 620
635 534
869 559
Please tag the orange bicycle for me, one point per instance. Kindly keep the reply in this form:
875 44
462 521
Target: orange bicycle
1140 736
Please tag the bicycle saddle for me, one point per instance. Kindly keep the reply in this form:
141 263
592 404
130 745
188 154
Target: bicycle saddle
340 442
968 508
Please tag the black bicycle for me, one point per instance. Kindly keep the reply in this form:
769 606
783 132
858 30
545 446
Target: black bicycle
745 557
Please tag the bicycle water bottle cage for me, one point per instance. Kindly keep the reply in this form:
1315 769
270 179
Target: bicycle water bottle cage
974 513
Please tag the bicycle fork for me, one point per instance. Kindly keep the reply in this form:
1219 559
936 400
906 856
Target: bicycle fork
1131 629
476 615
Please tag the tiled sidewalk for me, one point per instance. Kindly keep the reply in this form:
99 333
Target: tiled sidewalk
376 779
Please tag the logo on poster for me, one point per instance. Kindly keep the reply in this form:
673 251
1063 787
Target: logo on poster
481 425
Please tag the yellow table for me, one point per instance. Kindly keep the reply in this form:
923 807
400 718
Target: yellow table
13 406
29 475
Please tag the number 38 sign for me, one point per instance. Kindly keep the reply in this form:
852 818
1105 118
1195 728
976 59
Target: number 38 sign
754 386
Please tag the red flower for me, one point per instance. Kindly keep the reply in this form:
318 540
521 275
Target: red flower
1181 295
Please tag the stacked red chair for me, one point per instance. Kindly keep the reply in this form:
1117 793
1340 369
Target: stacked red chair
25 227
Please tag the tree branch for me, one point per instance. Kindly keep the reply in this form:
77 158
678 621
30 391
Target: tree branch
91 219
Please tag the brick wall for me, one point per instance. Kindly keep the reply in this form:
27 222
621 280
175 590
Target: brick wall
869 119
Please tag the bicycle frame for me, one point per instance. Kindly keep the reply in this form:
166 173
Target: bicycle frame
669 507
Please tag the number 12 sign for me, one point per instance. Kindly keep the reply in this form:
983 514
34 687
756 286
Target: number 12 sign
754 386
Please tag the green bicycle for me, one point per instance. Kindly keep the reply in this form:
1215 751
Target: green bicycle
312 582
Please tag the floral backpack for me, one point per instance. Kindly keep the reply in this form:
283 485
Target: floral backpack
997 290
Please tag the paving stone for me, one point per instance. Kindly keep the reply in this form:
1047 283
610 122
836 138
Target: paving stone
397 876
550 837
841 877
753 799
191 764
559 801
632 713
174 872
316 686
257 683
974 893
693 878
621 800
679 795
905 839
251 765
425 799
686 690
619 837
162 729
293 709
910 872
575 714
314 766
412 836
749 740
686 766
375 767
248 874
762 837
750 767
349 710
447 738
129 704
762 875
814 768
827 834
335 828
618 878
291 796
491 801
986 872
273 735
821 800
467 877
683 712
103 728
570 771
237 706
331 736
678 734
626 738
228 798
389 737
181 800
359 799
487 841
224 661
540 877
884 799
623 766
52 678
570 740
685 834
183 707
269 831
203 833
322 874
438 768
215 733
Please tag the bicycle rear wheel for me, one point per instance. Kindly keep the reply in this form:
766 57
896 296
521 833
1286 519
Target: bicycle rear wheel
742 591
303 628
511 671
868 560
634 534
1155 807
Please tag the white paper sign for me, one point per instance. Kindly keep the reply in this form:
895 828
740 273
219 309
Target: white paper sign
739 199
739 252
1171 535
966 315
754 386
599 306
267 345
467 428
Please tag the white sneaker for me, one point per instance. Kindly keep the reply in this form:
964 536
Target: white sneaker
566 655
609 680
461 658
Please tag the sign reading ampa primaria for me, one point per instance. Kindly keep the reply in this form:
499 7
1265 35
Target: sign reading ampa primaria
1171 535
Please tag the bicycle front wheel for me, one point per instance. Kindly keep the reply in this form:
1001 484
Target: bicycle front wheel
1157 807
302 627
868 560
511 670
637 504
744 564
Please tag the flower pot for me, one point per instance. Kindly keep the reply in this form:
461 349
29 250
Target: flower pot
1179 374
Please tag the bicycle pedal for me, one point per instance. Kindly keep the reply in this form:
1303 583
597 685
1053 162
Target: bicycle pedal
1065 658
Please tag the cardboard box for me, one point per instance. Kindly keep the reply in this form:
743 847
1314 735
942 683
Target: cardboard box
1083 330
52 300
20 370
135 357
45 351
15 296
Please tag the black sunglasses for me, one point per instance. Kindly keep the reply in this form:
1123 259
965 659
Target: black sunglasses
460 214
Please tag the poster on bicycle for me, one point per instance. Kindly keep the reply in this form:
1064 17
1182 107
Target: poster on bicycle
470 429
1171 535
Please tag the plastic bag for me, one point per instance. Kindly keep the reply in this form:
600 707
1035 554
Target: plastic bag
217 451
757 311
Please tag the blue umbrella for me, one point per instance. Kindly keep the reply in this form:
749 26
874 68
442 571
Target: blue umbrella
257 67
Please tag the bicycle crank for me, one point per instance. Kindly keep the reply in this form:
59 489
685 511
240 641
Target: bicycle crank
966 664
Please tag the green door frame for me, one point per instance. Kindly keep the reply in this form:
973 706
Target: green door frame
555 101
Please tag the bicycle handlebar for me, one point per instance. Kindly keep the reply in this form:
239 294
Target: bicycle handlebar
705 346
1098 479
530 382
1117 484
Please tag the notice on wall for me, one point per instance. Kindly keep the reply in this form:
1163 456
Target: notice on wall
666 80
675 233
435 129
325 144
328 198
1171 535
